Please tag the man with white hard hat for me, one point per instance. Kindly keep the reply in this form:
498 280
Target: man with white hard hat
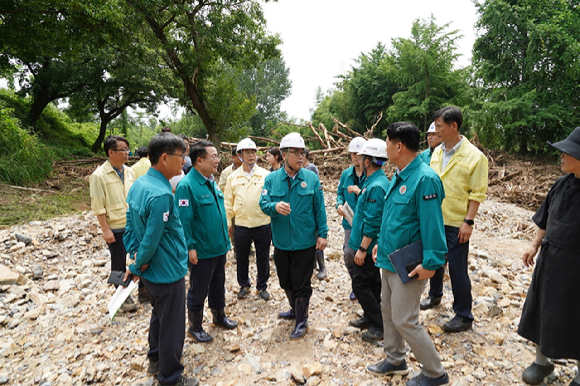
242 196
434 140
293 198
366 227
349 188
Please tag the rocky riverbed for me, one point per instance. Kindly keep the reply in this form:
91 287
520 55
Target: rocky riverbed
55 328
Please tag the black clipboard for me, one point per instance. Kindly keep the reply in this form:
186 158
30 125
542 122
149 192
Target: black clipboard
405 260
116 277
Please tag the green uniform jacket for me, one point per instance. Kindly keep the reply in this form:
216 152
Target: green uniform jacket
203 215
413 212
369 210
342 194
307 218
425 156
154 230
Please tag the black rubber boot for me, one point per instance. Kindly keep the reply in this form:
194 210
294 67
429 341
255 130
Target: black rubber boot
301 318
289 314
321 268
220 318
195 330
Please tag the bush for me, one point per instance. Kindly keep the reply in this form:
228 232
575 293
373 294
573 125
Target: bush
23 158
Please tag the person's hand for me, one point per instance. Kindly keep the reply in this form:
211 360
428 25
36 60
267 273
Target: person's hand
375 251
193 256
339 211
353 189
144 267
283 208
231 231
128 274
108 236
464 233
422 272
359 257
320 244
529 255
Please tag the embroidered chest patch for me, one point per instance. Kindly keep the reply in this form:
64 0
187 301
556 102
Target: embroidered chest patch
403 189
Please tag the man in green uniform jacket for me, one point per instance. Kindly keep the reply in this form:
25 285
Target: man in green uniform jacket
293 198
366 227
412 212
154 238
201 207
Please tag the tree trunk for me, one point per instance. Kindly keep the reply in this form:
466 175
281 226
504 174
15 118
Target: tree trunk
99 141
39 103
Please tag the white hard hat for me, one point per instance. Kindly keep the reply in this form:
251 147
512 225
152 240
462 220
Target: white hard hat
431 128
292 140
246 143
356 145
374 148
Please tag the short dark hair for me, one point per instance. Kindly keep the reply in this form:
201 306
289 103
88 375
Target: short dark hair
166 130
164 143
143 151
449 115
307 153
184 137
234 150
406 133
111 143
275 152
198 150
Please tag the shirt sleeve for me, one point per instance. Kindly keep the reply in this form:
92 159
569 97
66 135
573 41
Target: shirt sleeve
266 204
157 209
129 239
320 211
339 190
478 180
373 212
541 216
183 195
429 195
229 200
97 195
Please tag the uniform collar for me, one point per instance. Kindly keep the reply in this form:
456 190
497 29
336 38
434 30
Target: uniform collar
158 175
200 177
409 169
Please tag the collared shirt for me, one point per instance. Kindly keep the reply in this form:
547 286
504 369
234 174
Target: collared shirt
109 193
464 179
201 208
142 167
224 176
348 178
369 210
448 154
298 230
412 212
242 197
154 230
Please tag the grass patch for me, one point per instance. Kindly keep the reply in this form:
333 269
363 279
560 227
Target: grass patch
19 207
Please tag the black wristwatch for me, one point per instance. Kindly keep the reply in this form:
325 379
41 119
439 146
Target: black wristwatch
469 222
362 249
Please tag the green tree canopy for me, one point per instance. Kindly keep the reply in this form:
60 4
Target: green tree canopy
527 63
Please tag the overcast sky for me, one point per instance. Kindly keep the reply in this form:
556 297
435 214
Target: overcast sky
321 37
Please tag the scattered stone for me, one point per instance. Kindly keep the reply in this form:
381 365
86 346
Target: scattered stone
7 276
50 286
27 240
311 369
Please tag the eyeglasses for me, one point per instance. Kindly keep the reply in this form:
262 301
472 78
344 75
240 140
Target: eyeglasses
214 157
298 153
181 155
126 150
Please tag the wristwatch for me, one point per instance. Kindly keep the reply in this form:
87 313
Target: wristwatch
469 222
362 249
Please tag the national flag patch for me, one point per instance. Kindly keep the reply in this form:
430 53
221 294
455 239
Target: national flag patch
165 216
264 192
183 202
